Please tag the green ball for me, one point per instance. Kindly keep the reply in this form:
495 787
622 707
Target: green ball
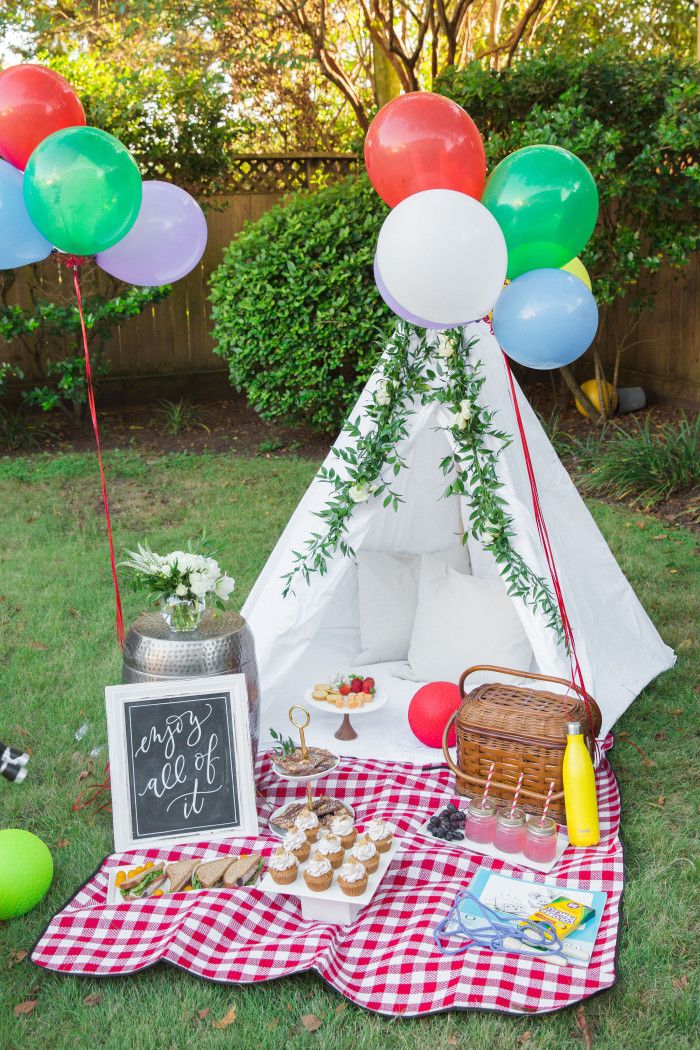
26 871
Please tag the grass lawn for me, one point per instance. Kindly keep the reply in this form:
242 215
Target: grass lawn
57 652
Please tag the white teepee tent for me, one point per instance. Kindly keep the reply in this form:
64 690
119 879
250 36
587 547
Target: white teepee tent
314 631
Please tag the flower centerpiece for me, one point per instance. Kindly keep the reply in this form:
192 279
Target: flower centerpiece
182 582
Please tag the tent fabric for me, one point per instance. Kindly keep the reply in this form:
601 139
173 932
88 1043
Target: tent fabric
314 631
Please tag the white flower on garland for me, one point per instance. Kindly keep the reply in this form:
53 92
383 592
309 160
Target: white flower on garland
382 394
463 415
445 348
491 532
360 492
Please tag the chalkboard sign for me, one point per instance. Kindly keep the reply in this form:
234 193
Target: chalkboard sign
180 760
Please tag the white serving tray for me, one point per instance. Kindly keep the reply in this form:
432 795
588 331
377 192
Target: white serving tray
306 777
115 897
331 905
381 697
518 860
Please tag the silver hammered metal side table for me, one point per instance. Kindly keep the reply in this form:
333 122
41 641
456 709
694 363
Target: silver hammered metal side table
222 644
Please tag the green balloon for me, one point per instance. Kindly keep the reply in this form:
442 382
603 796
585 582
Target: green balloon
82 190
26 871
546 202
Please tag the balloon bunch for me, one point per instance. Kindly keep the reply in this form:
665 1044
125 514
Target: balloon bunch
76 191
451 239
81 193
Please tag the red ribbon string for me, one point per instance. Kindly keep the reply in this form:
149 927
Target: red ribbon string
119 619
576 673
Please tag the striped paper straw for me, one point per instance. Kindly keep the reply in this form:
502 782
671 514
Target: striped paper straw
515 796
488 783
546 805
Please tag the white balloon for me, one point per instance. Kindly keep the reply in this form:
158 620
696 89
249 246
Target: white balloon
442 256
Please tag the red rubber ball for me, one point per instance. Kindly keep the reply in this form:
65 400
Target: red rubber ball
429 711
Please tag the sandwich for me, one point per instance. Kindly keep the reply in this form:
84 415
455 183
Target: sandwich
180 872
143 884
209 873
244 871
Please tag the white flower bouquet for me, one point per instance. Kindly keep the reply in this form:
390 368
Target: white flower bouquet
183 583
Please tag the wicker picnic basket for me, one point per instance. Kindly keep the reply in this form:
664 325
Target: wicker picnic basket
519 729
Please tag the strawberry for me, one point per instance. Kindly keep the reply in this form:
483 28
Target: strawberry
344 689
356 685
368 685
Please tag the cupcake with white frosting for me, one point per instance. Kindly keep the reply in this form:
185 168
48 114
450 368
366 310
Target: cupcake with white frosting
380 833
328 845
282 866
365 851
307 821
342 825
318 873
352 878
296 842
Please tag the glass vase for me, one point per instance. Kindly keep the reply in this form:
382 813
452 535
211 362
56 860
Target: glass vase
182 614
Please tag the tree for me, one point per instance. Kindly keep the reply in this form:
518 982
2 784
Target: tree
636 123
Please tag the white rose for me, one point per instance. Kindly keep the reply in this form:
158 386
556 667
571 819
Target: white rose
199 584
381 394
359 493
466 410
445 346
224 587
180 590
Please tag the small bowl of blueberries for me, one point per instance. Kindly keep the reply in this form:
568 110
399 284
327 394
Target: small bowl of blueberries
448 824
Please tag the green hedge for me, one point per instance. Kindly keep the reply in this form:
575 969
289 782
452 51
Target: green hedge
295 308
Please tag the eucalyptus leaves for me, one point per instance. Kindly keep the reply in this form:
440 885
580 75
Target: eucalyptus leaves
415 372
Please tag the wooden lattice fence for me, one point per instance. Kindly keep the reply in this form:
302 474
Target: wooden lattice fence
173 339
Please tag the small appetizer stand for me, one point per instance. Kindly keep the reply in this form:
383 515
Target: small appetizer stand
309 778
346 730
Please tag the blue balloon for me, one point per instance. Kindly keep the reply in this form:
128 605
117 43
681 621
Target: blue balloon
545 319
20 241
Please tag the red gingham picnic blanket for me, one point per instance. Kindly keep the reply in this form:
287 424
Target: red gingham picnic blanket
386 960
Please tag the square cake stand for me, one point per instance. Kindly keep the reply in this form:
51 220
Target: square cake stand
331 905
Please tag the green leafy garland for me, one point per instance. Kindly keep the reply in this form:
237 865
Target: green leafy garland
414 372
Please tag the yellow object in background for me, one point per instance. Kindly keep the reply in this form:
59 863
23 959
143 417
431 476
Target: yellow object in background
579 790
577 268
590 389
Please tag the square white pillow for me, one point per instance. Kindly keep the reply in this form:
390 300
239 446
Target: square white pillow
388 596
461 621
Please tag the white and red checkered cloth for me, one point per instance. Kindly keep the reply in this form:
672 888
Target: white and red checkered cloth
386 960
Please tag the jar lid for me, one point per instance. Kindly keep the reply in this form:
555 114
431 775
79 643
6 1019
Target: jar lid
515 821
485 808
536 826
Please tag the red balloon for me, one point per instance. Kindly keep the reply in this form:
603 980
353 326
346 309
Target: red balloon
422 141
34 102
429 710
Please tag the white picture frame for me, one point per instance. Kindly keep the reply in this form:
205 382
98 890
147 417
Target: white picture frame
181 762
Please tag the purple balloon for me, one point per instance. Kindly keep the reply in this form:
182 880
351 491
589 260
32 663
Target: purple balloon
398 309
165 243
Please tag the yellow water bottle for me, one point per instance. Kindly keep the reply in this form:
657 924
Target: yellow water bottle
579 790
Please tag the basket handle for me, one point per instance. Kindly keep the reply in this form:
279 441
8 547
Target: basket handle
592 710
479 781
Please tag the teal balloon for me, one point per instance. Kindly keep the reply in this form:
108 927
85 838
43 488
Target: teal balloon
26 871
20 241
82 190
546 202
